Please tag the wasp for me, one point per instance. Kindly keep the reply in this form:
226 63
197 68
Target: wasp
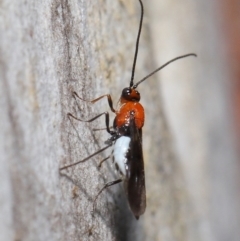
126 136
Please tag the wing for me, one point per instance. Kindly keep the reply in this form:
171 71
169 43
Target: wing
135 181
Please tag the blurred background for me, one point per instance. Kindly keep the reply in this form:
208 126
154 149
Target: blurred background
201 103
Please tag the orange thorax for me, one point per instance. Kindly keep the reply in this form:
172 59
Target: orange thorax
123 114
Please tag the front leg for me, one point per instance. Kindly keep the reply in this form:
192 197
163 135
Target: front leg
110 103
94 118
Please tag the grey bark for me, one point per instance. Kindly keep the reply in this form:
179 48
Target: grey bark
49 49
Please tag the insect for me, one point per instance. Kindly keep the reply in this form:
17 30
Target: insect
126 136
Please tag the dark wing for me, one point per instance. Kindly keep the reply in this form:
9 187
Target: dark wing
135 181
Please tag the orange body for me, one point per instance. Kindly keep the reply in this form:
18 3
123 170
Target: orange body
123 114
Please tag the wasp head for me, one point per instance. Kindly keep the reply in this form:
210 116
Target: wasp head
130 94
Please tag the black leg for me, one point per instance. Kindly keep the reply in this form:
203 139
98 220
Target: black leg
109 184
86 159
94 118
102 161
110 103
101 129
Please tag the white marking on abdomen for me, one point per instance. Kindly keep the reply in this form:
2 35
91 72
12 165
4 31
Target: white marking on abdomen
120 150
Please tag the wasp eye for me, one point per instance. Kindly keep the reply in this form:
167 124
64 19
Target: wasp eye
126 92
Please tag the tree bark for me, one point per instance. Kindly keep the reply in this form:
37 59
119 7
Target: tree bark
50 49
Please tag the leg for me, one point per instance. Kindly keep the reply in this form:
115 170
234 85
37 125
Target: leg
102 161
110 103
109 184
94 118
86 159
101 129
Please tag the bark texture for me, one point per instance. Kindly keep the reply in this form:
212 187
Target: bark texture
48 49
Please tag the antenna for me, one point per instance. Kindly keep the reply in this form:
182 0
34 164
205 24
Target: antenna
137 43
161 67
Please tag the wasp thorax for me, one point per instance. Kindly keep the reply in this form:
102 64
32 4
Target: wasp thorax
130 94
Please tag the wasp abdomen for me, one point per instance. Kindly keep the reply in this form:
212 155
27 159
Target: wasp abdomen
120 151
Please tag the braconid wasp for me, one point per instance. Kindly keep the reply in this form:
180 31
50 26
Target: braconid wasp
126 136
